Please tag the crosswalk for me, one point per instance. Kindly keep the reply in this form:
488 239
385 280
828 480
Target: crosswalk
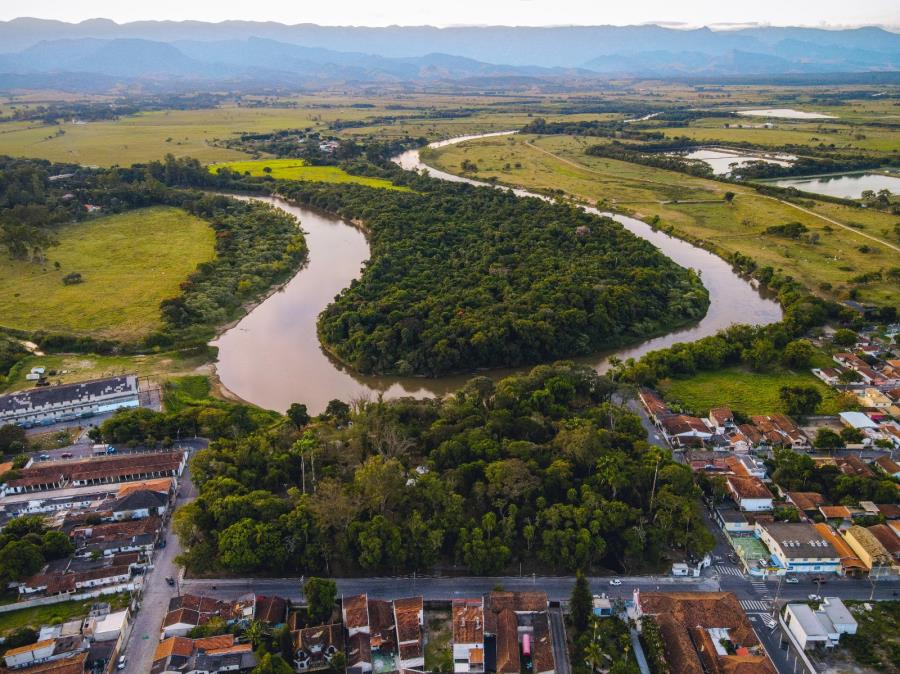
724 570
761 587
755 606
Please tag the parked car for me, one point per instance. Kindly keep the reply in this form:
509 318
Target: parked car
67 455
792 580
44 457
615 581
814 597
122 662
170 581
821 580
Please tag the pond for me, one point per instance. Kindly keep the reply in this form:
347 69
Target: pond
846 185
720 159
273 357
785 113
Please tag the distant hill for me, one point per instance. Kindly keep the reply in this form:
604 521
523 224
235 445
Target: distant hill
306 53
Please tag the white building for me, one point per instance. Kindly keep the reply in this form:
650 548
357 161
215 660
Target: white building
822 627
49 404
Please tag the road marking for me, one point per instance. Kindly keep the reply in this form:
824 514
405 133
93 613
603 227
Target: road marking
729 570
754 606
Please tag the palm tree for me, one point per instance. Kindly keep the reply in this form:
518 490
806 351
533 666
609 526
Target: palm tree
255 633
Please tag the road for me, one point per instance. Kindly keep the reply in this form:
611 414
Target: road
157 592
558 635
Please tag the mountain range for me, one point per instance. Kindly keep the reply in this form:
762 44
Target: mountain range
40 50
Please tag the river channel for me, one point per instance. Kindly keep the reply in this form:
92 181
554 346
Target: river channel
273 358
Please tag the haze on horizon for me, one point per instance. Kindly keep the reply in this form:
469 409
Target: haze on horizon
688 13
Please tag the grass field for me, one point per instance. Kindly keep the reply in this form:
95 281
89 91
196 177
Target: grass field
742 390
296 169
129 262
55 614
694 207
72 367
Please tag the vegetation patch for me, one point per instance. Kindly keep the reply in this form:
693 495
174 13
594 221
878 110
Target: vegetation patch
463 277
128 263
55 614
297 169
743 390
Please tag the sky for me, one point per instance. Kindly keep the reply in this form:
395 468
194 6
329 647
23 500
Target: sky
826 13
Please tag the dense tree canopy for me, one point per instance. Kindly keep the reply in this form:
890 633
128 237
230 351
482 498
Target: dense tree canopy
463 277
540 469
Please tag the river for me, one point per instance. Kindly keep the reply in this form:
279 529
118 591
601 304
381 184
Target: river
273 358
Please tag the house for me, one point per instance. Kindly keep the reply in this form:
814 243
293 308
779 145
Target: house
106 627
188 611
355 612
70 664
871 552
857 420
314 647
733 521
746 466
210 655
45 650
48 404
888 539
822 627
875 399
681 430
781 430
749 493
138 504
704 632
602 606
409 617
468 635
851 565
848 465
830 375
807 502
511 619
721 420
798 547
656 409
888 466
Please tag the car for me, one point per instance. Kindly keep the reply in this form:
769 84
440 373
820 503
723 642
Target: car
615 581
122 662
814 597
792 580
821 580
170 581
67 455
44 457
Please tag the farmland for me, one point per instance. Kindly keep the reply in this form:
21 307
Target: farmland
295 169
695 208
129 263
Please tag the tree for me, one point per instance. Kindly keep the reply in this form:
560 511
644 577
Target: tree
799 401
19 560
272 664
12 439
56 545
338 410
797 354
851 436
729 197
298 414
320 596
581 604
844 337
827 439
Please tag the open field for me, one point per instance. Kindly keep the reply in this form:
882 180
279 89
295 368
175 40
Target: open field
296 169
73 367
742 390
55 613
130 262
695 208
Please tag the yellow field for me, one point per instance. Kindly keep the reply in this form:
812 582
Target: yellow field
130 262
297 169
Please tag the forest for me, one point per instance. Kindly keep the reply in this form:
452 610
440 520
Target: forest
464 277
541 469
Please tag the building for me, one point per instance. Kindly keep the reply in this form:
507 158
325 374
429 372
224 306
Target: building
106 627
857 420
798 547
807 502
780 430
314 647
139 504
70 664
822 627
830 375
888 539
382 635
512 620
188 611
211 655
888 466
851 564
721 420
869 549
468 636
681 430
409 618
704 632
749 493
50 404
656 409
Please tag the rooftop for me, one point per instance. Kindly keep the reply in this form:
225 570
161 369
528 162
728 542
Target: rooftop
468 621
799 540
48 396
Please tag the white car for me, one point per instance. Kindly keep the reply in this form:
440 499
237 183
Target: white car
791 580
122 663
615 581
814 597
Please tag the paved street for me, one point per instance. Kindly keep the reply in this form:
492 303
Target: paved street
157 593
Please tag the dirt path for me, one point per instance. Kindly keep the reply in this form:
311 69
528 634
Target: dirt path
781 201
